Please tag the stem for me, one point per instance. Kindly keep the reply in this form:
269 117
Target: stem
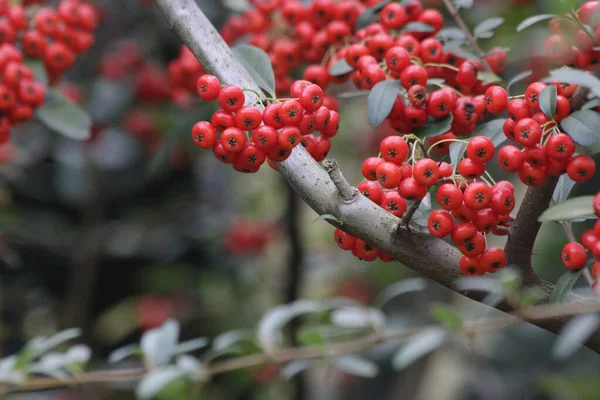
463 26
410 213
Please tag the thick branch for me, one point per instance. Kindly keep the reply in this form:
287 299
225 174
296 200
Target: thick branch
469 328
433 258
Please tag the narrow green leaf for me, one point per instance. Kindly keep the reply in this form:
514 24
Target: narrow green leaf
563 188
367 17
341 67
564 285
451 33
420 346
258 64
463 3
417 27
488 77
583 126
573 208
533 20
65 117
487 25
293 368
381 101
437 128
356 365
310 337
548 100
574 334
463 53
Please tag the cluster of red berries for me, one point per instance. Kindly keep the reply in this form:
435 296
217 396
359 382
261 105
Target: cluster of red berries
574 255
55 35
546 150
247 136
571 43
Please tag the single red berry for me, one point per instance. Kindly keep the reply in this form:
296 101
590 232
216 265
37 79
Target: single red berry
478 195
581 168
446 169
496 99
369 167
503 202
480 149
291 113
222 120
449 196
308 124
311 98
536 155
463 232
470 169
518 109
426 172
394 203
231 98
204 135
371 190
372 75
289 137
439 104
493 259
365 251
509 129
332 127
223 155
388 175
265 137
248 118
432 51
486 220
473 247
393 16
440 223
574 256
208 87
470 266
344 240
467 74
510 158
411 190
394 149
528 132
413 75
532 176
233 140
397 58
465 113
560 146
271 116
532 95
417 96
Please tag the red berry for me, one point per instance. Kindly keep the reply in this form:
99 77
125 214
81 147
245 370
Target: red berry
439 104
518 109
222 120
528 132
248 118
470 169
291 113
311 98
388 175
233 140
394 203
271 115
449 196
265 137
560 146
208 87
532 176
440 223
411 190
470 266
467 74
474 246
289 137
463 232
493 260
496 99
503 202
397 58
204 135
581 168
369 167
574 256
344 240
371 190
413 75
231 98
510 158
480 149
532 95
365 251
478 195
426 172
393 16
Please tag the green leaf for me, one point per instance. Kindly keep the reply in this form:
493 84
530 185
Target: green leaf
463 3
417 27
447 317
381 101
327 217
563 188
487 25
577 77
155 381
159 344
533 20
488 77
418 347
564 285
574 334
293 368
519 77
436 128
269 327
65 117
357 317
310 337
367 17
573 208
258 65
548 100
451 33
124 352
583 126
356 93
493 131
38 69
463 53
341 67
457 149
355 365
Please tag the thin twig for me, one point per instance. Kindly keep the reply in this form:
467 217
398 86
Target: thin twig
347 192
410 213
284 355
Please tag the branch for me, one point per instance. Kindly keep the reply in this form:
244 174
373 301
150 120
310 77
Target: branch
534 314
326 192
463 26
